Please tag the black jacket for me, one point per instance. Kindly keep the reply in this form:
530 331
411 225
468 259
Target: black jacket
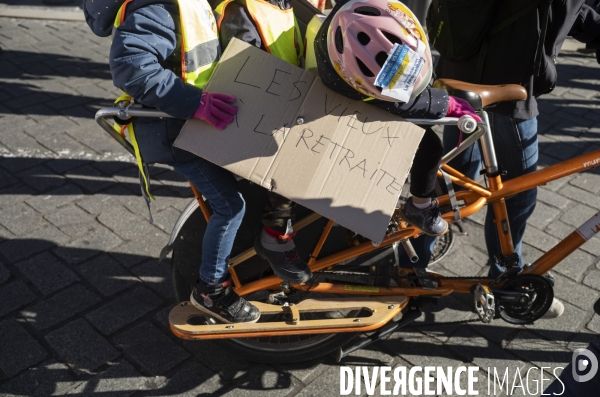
432 103
511 53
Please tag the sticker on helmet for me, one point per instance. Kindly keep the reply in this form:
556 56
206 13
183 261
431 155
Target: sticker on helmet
399 73
407 20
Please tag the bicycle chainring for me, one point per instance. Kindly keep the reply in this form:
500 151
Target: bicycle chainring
540 293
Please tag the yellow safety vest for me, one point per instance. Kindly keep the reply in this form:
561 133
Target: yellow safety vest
200 52
278 29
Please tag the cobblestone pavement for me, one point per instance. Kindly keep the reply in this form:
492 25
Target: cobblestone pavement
84 303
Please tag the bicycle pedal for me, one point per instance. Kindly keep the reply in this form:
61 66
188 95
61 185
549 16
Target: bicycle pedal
485 304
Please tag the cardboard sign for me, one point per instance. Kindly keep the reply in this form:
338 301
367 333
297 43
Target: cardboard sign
344 159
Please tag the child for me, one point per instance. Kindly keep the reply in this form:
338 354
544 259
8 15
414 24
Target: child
146 62
271 26
351 47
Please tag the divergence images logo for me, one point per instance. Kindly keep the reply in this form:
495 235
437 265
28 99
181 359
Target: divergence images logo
584 361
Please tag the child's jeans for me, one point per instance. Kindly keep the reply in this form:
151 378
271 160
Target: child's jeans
221 190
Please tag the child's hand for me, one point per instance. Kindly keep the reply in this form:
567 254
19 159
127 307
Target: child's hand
458 107
216 110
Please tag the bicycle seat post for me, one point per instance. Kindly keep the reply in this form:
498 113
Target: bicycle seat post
487 148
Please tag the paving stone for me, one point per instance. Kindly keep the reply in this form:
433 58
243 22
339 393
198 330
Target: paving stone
574 293
15 195
551 198
55 198
594 324
100 202
80 346
47 273
89 178
539 239
145 247
165 220
14 295
46 379
99 239
476 349
41 178
587 181
540 352
20 219
18 350
446 310
560 329
559 229
266 382
63 144
592 246
120 380
592 279
4 273
465 261
151 348
72 221
575 265
6 179
576 215
124 310
530 254
580 195
226 364
62 165
157 277
191 381
106 275
306 371
419 349
542 215
125 224
563 151
60 307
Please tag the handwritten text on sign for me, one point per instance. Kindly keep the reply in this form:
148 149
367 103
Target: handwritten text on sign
344 159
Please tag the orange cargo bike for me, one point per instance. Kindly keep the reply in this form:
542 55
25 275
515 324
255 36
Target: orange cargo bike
358 286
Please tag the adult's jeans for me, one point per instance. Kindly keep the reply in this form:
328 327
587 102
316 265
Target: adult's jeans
220 188
516 148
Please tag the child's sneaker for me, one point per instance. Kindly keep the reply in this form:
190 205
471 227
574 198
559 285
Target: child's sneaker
281 254
221 302
428 219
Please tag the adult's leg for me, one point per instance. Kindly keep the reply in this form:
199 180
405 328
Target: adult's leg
516 146
221 190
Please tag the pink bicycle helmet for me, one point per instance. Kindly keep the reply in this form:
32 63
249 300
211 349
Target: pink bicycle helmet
362 33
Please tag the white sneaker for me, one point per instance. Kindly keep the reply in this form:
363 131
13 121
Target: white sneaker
555 310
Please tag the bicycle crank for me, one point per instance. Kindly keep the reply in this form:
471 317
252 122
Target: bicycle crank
524 299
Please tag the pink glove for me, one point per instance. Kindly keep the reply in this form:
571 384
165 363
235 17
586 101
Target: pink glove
459 107
215 109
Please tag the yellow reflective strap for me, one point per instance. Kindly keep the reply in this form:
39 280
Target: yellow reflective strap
201 75
122 98
138 158
368 99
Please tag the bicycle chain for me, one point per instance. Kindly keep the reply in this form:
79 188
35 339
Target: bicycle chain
475 320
